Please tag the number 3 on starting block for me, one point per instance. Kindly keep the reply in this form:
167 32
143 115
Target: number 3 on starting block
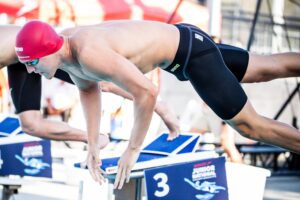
205 179
163 187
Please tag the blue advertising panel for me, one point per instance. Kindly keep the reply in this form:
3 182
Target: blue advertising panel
26 159
205 180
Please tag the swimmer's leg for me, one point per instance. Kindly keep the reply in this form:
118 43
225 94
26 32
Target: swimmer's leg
268 67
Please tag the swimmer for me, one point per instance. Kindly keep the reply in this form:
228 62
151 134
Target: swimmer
25 91
122 51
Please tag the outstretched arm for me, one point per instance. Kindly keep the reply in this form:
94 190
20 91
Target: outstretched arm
161 108
90 96
115 68
144 95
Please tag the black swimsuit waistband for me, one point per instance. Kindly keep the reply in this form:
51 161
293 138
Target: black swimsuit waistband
182 55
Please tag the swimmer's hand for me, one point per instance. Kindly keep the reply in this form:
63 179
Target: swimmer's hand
125 164
172 124
94 163
169 118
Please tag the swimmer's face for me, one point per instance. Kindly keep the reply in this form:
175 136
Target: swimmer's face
43 66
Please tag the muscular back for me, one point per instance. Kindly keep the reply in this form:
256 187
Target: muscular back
145 44
7 54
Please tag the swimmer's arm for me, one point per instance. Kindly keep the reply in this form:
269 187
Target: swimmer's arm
110 66
113 88
161 108
90 97
144 95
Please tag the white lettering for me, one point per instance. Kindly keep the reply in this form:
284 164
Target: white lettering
32 151
1 161
204 173
175 67
199 37
19 48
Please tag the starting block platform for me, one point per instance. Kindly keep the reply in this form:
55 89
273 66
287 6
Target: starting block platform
161 152
173 170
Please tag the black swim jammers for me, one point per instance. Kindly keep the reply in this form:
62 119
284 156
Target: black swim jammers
199 60
26 88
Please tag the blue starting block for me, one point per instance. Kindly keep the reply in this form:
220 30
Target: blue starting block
158 153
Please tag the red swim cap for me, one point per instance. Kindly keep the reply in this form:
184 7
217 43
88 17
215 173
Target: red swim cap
37 39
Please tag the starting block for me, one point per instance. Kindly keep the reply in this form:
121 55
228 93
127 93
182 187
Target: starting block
158 153
161 152
176 170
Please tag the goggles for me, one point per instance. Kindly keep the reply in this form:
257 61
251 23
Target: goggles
32 62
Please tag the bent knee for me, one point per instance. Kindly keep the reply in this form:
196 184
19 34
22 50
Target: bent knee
248 123
30 122
254 128
247 130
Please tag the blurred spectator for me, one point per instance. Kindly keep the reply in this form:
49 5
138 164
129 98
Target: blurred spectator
227 140
58 98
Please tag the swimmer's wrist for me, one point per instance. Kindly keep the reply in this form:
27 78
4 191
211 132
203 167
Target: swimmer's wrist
134 148
93 145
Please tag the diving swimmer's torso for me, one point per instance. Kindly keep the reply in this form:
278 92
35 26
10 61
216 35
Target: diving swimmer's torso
146 44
